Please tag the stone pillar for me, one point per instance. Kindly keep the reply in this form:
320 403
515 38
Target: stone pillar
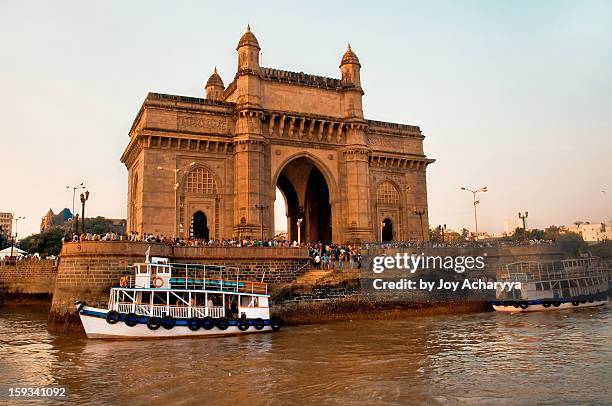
359 225
251 184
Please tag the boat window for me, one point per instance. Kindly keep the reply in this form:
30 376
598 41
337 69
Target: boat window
546 285
249 301
565 284
538 286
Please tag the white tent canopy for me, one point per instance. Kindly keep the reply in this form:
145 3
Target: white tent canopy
7 252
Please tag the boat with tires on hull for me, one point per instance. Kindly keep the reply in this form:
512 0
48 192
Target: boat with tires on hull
163 299
554 285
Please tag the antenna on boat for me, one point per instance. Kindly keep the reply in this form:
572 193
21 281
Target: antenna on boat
147 254
263 276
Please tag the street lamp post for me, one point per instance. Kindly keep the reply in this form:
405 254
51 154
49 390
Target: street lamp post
442 228
261 209
175 187
476 202
420 214
75 228
14 239
524 218
84 198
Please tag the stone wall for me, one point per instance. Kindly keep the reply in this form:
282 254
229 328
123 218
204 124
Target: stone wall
31 277
88 269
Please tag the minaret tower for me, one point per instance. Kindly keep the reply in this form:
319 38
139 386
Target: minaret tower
252 205
214 87
351 84
248 70
356 152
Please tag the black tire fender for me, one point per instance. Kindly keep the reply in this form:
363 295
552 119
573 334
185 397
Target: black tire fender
154 323
194 324
276 323
243 325
208 323
131 319
222 323
168 322
258 323
112 317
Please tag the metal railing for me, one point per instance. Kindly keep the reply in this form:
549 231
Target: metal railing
177 312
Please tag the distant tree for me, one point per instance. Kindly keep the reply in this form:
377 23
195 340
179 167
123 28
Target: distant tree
572 244
49 242
451 236
536 234
465 234
552 233
100 225
602 249
435 234
578 223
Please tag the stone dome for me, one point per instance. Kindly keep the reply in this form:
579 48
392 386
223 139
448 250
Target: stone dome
349 57
248 39
215 80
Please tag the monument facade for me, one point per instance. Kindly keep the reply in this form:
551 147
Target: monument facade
209 167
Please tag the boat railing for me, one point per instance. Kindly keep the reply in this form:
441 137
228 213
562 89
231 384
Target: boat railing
224 285
536 272
161 310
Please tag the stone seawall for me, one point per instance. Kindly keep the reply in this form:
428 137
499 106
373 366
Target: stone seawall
88 269
27 277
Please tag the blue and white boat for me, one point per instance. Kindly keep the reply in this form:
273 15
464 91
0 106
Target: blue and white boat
178 300
554 285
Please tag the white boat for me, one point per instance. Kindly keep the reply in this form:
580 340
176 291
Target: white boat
180 300
554 285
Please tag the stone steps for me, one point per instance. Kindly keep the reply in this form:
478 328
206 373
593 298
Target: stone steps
311 277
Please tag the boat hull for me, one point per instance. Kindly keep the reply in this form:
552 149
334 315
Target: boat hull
540 308
95 325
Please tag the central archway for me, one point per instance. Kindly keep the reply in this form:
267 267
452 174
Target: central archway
307 197
387 230
199 226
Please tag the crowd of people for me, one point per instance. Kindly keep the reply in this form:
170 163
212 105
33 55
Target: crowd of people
323 256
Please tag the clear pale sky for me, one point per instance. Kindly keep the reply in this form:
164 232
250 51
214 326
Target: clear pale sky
513 95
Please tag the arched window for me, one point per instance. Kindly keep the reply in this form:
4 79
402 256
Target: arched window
387 193
200 180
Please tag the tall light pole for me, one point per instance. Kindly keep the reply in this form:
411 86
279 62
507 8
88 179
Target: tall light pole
524 217
84 198
175 187
476 202
420 214
442 229
74 188
14 239
261 209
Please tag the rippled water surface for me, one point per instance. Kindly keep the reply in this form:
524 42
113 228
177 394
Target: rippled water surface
484 358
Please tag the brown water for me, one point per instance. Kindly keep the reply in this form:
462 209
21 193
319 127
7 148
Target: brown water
484 358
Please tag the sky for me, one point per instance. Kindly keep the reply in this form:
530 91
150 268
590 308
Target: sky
514 95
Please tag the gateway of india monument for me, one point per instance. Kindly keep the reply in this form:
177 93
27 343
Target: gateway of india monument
209 167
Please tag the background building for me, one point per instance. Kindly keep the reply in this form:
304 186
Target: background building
6 224
594 232
51 219
209 167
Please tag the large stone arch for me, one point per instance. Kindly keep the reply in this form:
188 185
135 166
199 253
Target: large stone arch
291 192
